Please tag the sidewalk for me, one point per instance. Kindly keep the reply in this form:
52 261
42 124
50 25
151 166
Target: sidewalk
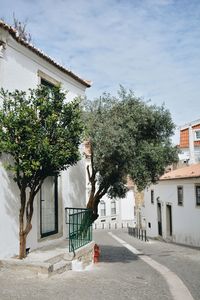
49 260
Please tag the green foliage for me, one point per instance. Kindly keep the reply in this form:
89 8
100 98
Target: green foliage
40 132
128 137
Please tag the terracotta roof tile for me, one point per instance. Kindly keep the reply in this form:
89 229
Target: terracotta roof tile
192 171
40 53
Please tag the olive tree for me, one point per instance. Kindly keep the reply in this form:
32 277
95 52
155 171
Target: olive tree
127 136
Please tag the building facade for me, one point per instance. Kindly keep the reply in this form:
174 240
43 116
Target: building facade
116 213
172 206
22 66
190 143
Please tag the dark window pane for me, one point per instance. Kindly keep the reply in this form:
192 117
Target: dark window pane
198 195
180 195
152 196
46 83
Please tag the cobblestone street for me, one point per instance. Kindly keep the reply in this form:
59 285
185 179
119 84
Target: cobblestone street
119 275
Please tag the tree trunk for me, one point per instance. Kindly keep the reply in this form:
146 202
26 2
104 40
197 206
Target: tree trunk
22 236
25 226
22 245
93 204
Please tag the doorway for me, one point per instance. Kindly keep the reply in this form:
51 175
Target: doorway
49 206
169 219
159 212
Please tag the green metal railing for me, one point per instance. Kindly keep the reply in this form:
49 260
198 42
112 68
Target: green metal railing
79 227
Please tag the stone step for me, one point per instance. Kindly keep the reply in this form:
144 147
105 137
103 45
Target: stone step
61 266
42 269
46 263
55 259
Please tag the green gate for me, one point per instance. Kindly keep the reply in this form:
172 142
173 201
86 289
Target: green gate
79 227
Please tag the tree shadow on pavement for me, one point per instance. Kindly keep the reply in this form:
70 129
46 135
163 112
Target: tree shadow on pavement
113 254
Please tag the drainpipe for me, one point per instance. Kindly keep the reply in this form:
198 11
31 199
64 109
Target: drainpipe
191 146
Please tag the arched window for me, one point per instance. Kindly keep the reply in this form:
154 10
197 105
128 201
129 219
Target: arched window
113 207
102 208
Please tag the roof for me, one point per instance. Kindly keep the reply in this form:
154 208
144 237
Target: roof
193 123
40 53
192 171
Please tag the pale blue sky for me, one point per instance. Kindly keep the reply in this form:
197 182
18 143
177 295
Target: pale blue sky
149 46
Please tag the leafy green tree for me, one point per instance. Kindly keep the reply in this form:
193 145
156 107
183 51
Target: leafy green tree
127 136
41 133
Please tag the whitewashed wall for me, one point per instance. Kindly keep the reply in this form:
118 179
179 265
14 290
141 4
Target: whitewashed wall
19 70
124 212
185 219
127 206
185 154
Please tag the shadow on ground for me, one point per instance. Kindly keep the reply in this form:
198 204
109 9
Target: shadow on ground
113 254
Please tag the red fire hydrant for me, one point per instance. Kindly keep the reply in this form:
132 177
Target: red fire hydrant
96 253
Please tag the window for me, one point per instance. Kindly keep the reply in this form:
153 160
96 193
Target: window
197 135
149 224
113 207
180 195
198 195
152 196
46 83
47 80
102 208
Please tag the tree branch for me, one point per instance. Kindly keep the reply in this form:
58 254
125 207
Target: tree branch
88 172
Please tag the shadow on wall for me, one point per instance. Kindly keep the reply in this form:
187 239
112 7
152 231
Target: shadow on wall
9 197
76 185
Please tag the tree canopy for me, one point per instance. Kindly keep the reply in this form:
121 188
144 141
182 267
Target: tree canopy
41 133
127 136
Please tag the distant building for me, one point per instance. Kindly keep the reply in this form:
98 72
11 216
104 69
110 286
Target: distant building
117 213
190 143
113 213
172 206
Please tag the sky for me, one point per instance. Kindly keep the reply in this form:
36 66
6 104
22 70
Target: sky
149 46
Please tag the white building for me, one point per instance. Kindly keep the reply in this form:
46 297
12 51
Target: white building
190 143
116 213
22 66
172 206
113 213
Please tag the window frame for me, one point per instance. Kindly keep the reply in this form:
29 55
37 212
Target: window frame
180 197
197 186
152 196
102 203
50 80
196 138
113 209
55 230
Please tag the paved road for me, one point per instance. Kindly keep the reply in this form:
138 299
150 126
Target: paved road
183 261
120 275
